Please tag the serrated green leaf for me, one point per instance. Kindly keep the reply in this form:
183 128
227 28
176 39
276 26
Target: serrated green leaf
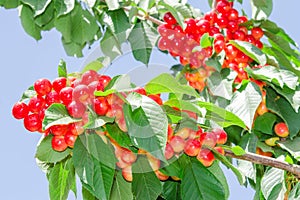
251 99
166 83
261 9
28 94
292 146
28 23
142 39
110 45
8 4
238 151
62 69
72 48
57 114
121 189
219 174
251 51
86 195
279 105
171 190
184 10
95 176
46 154
177 15
61 179
217 61
265 123
39 6
94 65
147 124
46 19
119 136
64 7
97 122
193 186
145 184
295 193
292 96
206 40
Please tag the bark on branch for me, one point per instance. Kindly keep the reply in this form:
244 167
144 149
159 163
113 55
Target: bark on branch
267 161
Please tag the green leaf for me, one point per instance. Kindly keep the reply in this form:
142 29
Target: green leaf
57 114
185 105
119 136
295 193
95 176
184 10
200 183
8 4
145 184
28 94
279 77
39 6
46 19
216 61
119 83
292 146
28 23
206 41
279 105
147 124
166 83
62 69
261 9
251 51
110 45
221 116
273 184
61 179
142 39
113 4
64 7
265 123
238 151
171 190
46 154
220 84
121 189
97 121
86 195
178 16
95 65
72 48
251 99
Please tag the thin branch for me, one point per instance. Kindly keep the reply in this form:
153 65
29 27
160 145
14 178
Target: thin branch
267 161
147 17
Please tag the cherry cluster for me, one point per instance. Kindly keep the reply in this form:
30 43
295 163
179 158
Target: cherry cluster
222 24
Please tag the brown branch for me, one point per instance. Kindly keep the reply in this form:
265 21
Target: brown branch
267 161
147 17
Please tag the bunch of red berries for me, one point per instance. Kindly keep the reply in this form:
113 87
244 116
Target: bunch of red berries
222 24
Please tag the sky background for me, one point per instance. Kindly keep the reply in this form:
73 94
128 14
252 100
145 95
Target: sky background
24 60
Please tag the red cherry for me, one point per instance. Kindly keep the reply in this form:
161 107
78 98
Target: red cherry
36 103
190 26
59 129
219 45
169 152
156 98
20 110
210 17
221 135
231 52
257 33
213 30
222 21
203 26
192 147
258 44
233 14
104 80
250 39
70 139
239 35
59 83
128 156
76 109
177 143
206 157
58 143
241 58
127 173
89 76
66 95
223 7
232 26
81 93
100 106
281 129
208 139
92 87
220 150
76 128
163 44
32 122
169 19
164 30
42 86
52 97
140 90
242 19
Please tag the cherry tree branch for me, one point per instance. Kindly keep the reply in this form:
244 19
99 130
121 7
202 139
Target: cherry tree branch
147 17
267 161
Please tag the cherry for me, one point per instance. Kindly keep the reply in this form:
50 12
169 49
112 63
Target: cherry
20 110
177 143
203 26
223 7
169 152
257 33
220 150
76 128
169 19
250 39
89 76
206 157
219 45
192 147
233 14
59 83
262 109
170 132
242 19
76 109
261 152
156 98
140 90
222 21
58 143
191 26
100 106
36 103
281 129
208 139
32 122
239 35
161 176
272 141
232 26
128 156
231 52
164 30
210 17
52 97
81 93
183 133
258 44
66 95
221 135
42 86
104 80
59 129
127 173
70 139
163 44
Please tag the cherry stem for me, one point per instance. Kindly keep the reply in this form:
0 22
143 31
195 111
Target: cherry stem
146 17
267 161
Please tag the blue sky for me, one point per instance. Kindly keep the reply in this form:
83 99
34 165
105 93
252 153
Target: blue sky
24 60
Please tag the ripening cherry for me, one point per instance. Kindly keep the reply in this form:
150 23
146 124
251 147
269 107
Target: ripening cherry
192 147
231 51
70 139
262 108
104 80
66 95
128 156
81 93
219 45
92 87
76 109
257 33
76 128
156 98
100 106
183 133
42 86
220 150
154 162
169 18
281 129
59 83
161 176
58 143
169 152
60 129
127 173
177 143
32 122
223 7
261 152
272 141
36 103
221 135
20 110
208 139
122 124
52 97
162 44
206 157
164 30
89 76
